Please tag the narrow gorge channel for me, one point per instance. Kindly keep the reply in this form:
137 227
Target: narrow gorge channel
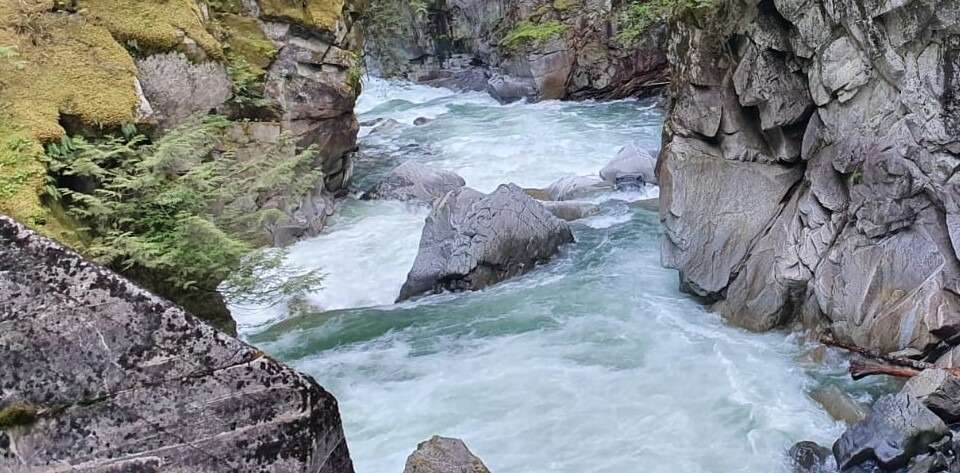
593 362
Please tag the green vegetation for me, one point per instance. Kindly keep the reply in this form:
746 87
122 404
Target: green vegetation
154 25
247 83
322 14
17 414
640 15
527 33
148 206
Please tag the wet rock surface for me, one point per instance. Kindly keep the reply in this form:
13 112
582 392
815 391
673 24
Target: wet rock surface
444 455
415 182
118 379
631 164
472 240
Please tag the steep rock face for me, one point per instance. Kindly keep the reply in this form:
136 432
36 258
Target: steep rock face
560 49
108 377
809 167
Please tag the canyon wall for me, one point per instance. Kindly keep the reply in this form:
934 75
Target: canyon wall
285 73
533 49
101 375
809 173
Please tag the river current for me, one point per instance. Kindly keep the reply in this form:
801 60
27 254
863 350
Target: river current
594 362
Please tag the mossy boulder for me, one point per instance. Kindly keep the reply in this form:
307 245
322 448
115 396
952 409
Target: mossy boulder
244 38
155 25
320 14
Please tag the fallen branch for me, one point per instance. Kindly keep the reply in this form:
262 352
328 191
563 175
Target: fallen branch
871 362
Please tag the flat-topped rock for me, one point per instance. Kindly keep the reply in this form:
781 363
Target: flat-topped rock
112 378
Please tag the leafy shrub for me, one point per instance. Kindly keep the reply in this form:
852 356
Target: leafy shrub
640 15
526 33
148 208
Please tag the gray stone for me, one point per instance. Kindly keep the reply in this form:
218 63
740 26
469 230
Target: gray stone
472 240
577 187
898 428
712 209
808 457
125 381
443 455
571 210
940 392
631 162
415 181
177 88
839 404
507 89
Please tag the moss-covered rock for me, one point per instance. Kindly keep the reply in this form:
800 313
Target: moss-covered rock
243 37
154 25
321 14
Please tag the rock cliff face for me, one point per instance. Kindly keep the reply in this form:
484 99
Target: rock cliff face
809 167
100 375
536 49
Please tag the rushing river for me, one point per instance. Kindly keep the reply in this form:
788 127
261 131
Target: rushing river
592 363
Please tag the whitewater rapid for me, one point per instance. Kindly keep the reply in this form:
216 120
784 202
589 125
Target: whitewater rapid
591 363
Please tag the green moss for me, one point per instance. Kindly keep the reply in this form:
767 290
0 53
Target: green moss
526 33
640 15
244 38
17 414
322 14
565 5
153 25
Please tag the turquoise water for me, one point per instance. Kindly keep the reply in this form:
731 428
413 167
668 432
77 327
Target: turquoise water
591 363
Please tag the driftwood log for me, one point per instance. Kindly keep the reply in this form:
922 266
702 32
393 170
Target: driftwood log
869 362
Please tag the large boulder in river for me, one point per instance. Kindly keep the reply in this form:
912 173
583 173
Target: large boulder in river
633 164
472 240
101 375
415 181
939 391
444 455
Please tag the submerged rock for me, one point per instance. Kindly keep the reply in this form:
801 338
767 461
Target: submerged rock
116 379
415 181
839 404
472 240
631 164
444 455
571 210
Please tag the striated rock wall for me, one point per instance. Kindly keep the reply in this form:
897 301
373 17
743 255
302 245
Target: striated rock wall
536 49
809 167
100 375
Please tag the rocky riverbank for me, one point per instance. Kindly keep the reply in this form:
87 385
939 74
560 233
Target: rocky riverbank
809 178
531 49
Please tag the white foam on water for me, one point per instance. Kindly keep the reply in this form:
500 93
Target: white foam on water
592 363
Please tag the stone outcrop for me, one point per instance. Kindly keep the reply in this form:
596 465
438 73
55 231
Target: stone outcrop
809 167
100 375
412 181
515 49
443 455
631 166
472 240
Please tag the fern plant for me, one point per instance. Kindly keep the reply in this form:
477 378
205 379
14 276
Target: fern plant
148 207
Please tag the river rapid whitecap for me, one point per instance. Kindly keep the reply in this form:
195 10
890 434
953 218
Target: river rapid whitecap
594 362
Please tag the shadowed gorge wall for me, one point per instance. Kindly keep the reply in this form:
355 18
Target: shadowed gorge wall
809 168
